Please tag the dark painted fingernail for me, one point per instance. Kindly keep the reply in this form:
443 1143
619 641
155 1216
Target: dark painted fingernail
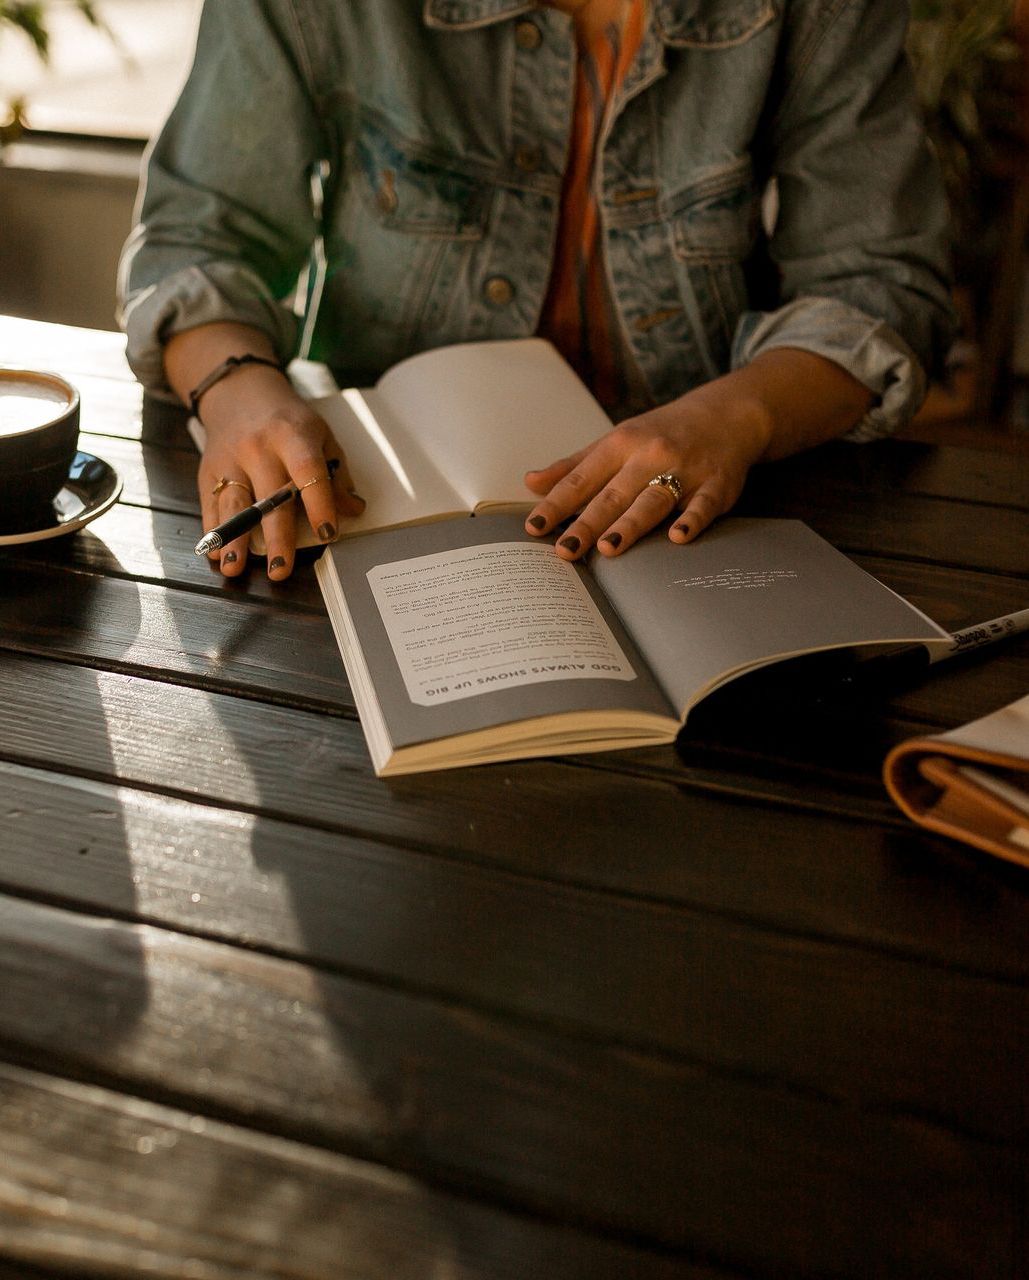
685 528
229 557
326 531
571 543
278 563
537 522
613 539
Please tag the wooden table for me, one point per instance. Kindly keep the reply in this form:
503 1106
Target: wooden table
717 1011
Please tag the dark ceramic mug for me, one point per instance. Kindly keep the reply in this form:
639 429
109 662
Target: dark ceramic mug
39 432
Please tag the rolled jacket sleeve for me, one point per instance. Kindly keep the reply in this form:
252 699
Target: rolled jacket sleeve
861 231
225 218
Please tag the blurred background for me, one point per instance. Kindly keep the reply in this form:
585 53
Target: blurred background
84 84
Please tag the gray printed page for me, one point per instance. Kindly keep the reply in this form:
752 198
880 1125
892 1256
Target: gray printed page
470 623
746 592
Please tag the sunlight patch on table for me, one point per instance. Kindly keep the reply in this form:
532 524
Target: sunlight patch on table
185 739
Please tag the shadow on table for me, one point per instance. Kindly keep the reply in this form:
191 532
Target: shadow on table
75 982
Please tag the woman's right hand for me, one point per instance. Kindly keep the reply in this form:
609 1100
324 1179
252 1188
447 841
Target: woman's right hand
261 435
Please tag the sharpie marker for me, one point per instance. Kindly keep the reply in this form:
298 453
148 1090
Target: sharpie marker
892 669
969 638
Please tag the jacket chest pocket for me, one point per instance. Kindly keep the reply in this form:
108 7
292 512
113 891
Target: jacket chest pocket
713 225
407 222
412 194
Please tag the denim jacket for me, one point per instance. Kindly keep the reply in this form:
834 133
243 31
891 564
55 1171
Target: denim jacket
763 181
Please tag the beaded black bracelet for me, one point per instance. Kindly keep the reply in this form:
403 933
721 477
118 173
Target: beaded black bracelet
223 370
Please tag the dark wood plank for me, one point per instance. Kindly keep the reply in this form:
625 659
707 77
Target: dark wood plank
318 771
112 407
493 940
903 467
288 764
908 527
534 1121
954 598
849 775
160 478
98 1182
234 643
156 546
303 891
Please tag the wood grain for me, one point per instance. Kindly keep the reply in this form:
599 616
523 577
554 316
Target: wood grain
156 546
534 1121
109 1185
236 644
321 893
763 993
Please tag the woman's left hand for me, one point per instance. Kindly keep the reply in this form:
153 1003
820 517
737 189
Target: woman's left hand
707 444
783 401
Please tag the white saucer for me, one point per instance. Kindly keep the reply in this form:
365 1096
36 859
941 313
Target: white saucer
92 486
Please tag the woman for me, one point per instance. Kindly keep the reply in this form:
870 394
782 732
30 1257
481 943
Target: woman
598 171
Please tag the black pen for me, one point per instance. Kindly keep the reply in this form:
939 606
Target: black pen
245 520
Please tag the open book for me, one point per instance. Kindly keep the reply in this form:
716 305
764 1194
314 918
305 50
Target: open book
466 640
452 431
971 783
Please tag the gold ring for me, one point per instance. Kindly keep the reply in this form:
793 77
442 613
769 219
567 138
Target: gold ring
667 480
316 480
224 482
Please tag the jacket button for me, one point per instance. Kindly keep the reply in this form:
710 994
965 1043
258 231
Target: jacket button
498 290
528 158
528 35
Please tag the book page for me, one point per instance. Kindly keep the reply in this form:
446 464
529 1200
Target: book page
501 613
389 467
487 412
484 581
746 592
1002 733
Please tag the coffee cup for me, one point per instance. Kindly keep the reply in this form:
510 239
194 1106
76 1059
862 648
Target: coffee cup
39 432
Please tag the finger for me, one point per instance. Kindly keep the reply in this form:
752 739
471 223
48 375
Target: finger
710 500
278 526
651 505
543 480
573 491
232 557
323 501
348 500
217 503
209 505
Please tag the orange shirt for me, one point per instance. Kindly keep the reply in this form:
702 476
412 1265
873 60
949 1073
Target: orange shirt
577 315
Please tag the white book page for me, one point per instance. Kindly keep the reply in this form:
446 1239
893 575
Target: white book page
487 412
389 468
1004 732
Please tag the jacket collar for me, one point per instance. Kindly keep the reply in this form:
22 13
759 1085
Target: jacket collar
714 23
